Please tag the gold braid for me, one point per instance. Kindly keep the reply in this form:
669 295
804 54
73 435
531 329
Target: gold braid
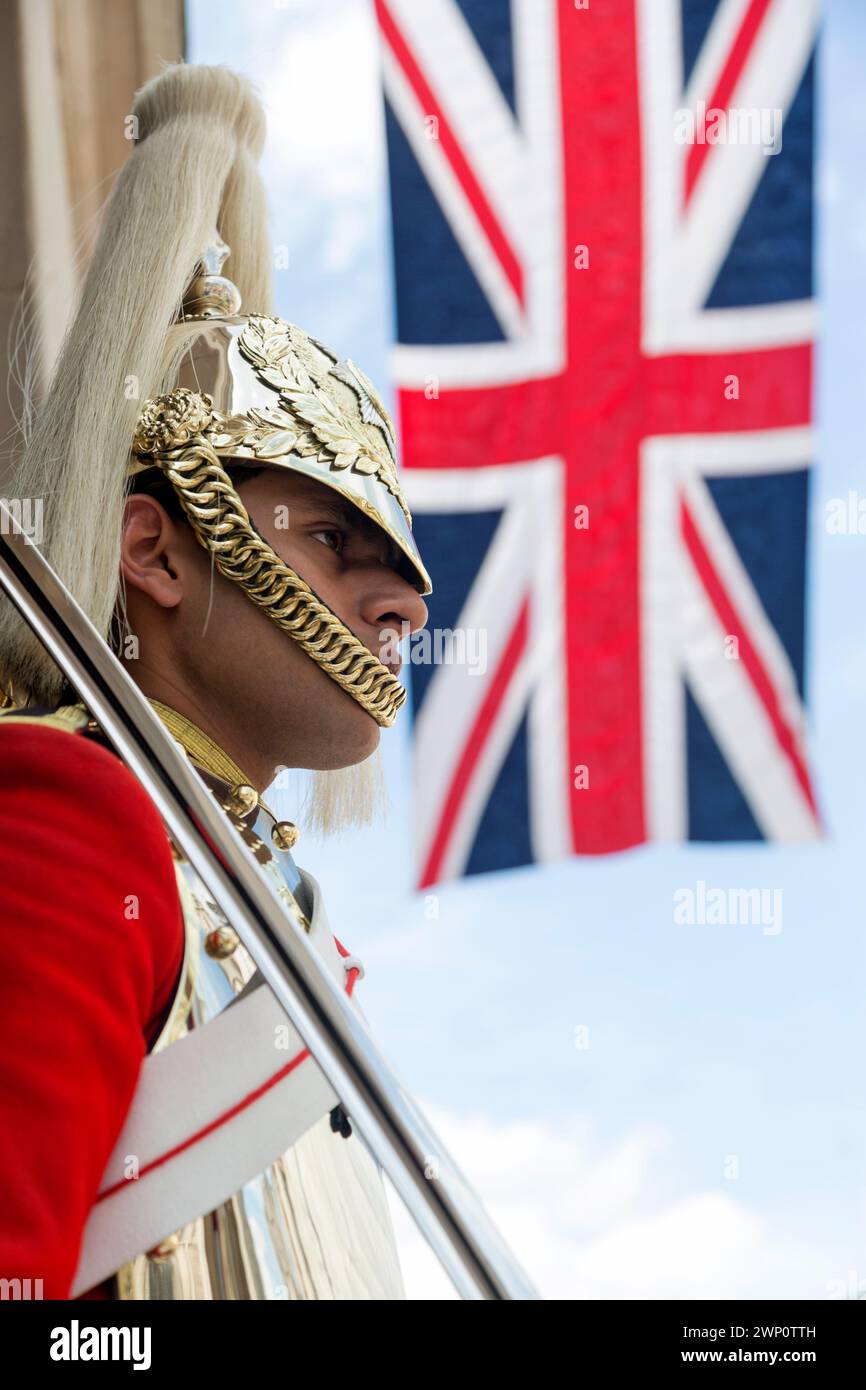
223 527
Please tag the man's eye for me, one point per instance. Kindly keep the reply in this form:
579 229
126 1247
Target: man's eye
333 538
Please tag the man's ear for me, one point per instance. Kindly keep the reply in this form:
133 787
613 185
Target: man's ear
149 548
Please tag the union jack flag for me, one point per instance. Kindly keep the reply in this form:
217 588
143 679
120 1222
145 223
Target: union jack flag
603 371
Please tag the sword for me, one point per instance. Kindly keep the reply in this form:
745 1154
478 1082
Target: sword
446 1209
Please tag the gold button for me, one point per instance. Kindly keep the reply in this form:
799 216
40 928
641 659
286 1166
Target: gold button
242 799
221 942
285 835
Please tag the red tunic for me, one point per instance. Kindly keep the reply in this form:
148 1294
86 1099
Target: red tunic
92 947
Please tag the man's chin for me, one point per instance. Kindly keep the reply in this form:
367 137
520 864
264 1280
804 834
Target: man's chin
350 745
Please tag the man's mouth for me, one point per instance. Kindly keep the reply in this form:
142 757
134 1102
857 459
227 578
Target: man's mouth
389 648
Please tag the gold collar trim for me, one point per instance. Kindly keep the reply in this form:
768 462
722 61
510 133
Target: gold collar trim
207 754
200 746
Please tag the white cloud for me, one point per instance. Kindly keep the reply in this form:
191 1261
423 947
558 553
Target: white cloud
319 79
588 1223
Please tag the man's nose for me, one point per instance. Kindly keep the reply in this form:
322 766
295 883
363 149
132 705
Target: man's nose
391 603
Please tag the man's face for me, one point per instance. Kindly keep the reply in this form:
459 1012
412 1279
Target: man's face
202 631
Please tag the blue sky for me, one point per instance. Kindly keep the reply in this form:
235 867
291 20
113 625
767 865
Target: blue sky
710 1140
